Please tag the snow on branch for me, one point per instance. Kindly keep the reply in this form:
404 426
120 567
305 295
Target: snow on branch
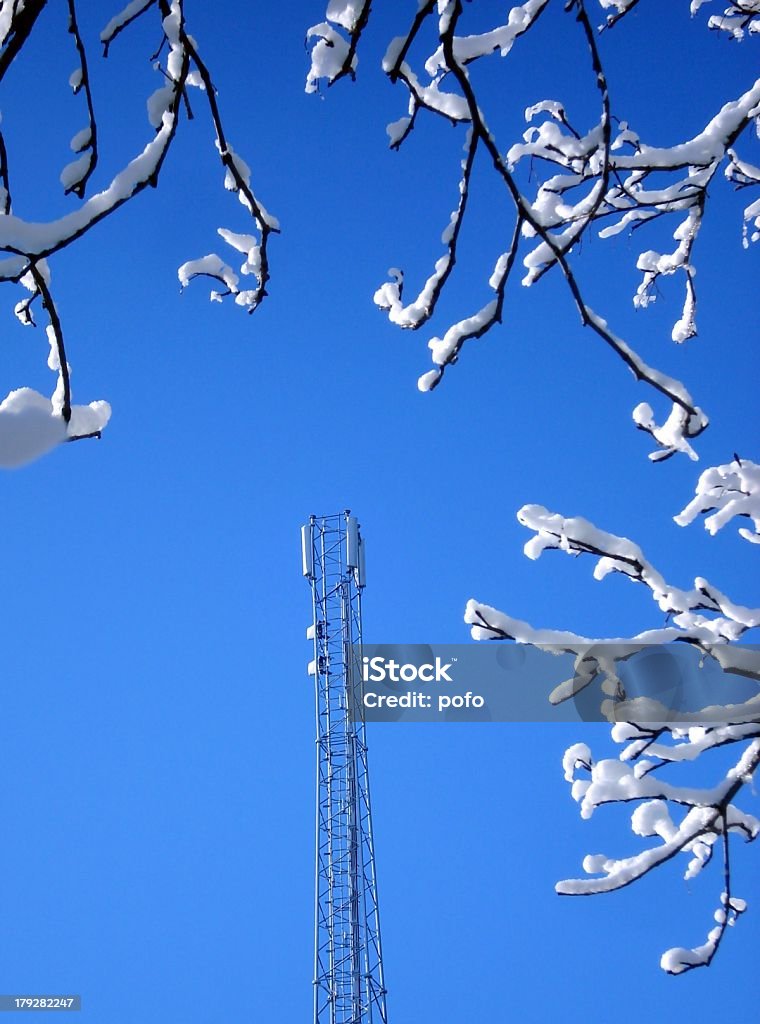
28 244
605 176
737 19
31 424
685 820
702 615
419 311
744 174
680 819
121 20
334 56
16 23
630 199
619 10
75 176
727 492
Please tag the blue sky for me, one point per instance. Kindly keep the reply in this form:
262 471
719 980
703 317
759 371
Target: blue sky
157 761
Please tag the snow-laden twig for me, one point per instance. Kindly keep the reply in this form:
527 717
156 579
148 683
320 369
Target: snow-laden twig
238 180
27 244
629 198
75 176
683 818
620 8
702 616
389 295
606 177
334 56
58 351
18 20
702 816
727 492
122 20
30 423
737 19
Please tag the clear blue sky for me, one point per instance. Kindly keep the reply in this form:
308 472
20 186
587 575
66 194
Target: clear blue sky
157 757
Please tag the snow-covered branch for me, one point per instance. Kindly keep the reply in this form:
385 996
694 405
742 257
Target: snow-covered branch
562 181
684 173
727 492
657 732
703 818
702 616
122 20
27 244
333 55
737 19
75 175
16 23
30 423
604 176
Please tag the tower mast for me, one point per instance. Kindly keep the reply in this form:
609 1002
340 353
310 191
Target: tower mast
349 986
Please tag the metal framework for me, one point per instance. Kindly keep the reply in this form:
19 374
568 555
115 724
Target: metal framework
349 986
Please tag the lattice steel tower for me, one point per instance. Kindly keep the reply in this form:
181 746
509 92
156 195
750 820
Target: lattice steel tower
348 966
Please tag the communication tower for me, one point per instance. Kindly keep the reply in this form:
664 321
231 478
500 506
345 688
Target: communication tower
349 986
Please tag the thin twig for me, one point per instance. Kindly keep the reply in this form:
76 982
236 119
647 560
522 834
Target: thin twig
55 323
78 187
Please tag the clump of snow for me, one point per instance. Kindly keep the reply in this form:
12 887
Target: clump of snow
470 48
443 348
653 819
577 755
389 295
89 419
81 140
345 13
679 959
247 244
428 380
31 425
119 20
671 435
396 130
158 103
73 173
210 266
194 79
328 55
28 428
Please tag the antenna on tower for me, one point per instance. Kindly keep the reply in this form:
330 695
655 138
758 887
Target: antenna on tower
349 986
